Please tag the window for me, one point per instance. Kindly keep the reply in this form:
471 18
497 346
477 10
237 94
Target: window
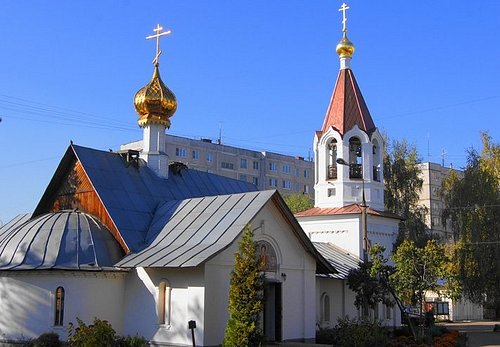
273 166
287 184
332 192
325 307
273 182
307 174
243 163
210 157
243 177
164 302
286 169
59 307
196 155
255 180
180 152
255 165
306 189
297 172
226 165
388 312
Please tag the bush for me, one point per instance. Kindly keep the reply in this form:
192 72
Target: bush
47 340
100 334
355 332
131 341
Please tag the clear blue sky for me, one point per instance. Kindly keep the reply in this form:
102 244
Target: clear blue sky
261 70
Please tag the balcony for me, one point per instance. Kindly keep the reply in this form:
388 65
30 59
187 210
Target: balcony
332 172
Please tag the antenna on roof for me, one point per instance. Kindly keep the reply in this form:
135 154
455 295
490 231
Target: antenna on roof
443 154
219 140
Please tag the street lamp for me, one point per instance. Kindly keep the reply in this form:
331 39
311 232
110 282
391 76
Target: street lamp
364 220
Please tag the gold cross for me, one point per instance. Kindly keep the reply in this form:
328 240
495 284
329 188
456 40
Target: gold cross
344 8
158 31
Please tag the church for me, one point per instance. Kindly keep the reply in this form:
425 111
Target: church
149 245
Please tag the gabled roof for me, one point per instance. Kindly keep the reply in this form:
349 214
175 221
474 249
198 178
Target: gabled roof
345 210
347 106
186 233
338 258
131 194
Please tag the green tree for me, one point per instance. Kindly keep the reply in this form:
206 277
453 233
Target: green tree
403 184
298 202
418 269
245 295
472 207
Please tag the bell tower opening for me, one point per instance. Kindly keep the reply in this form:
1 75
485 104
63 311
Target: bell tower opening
332 160
355 158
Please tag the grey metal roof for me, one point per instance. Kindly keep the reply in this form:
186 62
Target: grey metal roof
132 194
62 240
339 258
188 232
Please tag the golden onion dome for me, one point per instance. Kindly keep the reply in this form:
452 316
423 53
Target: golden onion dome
345 48
155 103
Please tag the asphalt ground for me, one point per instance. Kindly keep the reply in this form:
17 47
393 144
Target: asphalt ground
479 333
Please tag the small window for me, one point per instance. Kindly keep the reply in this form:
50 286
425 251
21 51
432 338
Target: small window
297 172
243 177
59 307
196 155
164 302
332 192
226 165
210 157
243 163
286 169
287 184
307 174
306 189
180 152
273 166
273 182
325 308
255 180
255 165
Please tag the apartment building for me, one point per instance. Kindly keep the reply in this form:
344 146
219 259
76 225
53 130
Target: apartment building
267 170
433 175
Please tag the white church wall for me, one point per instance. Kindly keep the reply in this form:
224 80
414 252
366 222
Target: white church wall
382 231
341 300
186 303
344 231
29 297
298 287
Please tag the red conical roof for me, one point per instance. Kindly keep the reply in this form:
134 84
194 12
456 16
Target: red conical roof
347 106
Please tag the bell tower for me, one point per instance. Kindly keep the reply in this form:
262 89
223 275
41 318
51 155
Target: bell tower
348 149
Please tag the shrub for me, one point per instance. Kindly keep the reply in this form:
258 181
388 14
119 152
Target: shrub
131 341
355 332
101 333
47 340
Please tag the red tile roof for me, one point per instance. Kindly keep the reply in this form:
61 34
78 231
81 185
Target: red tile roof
347 106
348 209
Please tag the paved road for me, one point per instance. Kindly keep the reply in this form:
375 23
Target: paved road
479 333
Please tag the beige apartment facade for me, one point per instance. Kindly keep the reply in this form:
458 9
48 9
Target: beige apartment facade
267 170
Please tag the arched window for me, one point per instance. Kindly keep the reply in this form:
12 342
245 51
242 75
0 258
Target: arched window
164 302
59 307
325 307
376 162
355 158
332 158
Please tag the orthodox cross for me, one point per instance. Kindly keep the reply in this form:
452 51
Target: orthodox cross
158 33
344 8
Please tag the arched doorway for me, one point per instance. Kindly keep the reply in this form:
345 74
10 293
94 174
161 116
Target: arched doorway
271 319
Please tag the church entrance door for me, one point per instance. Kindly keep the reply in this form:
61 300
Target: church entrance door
272 311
